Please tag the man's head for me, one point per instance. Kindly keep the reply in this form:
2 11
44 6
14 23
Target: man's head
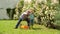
29 11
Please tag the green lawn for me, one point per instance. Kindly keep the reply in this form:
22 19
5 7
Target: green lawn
7 27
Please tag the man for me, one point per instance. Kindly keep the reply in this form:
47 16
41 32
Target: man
31 18
24 16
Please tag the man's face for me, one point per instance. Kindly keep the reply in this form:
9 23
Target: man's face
28 12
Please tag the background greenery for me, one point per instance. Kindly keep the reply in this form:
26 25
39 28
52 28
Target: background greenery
7 26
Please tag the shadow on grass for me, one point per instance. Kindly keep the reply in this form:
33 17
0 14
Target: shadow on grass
55 27
1 33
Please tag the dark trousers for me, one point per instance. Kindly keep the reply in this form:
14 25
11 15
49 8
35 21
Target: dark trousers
31 22
18 23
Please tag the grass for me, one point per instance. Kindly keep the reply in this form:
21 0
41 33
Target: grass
7 27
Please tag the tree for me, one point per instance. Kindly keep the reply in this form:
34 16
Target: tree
19 7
